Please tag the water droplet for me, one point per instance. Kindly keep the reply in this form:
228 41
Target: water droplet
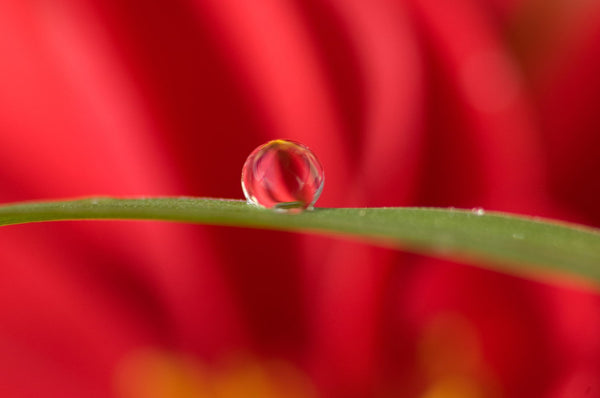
478 211
282 175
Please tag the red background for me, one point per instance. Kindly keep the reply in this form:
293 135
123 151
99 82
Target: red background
466 103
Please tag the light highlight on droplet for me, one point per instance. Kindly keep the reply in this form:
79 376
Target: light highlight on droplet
282 175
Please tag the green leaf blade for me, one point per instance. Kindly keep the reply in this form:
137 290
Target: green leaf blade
503 242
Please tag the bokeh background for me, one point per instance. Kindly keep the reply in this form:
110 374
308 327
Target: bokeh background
465 103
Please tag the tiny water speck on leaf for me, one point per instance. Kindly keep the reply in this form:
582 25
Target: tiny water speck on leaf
478 211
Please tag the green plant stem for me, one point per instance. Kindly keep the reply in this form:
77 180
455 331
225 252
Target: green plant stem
494 240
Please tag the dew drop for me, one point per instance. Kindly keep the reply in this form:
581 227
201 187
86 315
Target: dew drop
282 175
478 211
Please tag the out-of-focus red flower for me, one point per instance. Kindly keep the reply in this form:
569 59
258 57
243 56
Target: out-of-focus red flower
418 102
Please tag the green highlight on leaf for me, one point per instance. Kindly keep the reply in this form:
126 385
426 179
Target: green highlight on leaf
528 246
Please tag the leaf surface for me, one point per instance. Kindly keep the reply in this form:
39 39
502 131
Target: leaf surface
493 240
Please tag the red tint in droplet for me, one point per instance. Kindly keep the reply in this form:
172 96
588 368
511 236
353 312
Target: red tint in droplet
282 175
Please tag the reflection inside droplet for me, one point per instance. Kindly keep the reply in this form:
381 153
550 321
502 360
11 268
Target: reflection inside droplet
282 175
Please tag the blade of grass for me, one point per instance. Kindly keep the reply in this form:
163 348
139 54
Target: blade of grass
503 242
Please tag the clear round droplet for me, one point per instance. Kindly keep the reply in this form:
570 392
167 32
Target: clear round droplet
282 175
